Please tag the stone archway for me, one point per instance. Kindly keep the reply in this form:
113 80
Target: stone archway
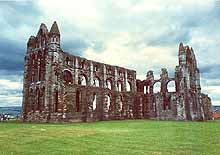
67 76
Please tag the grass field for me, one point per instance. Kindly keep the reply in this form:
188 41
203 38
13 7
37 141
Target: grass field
111 137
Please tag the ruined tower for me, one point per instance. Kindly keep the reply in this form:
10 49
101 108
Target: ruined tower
188 84
60 87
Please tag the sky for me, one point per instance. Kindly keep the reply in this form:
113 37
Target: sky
137 34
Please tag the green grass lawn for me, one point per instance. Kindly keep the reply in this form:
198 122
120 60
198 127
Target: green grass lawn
111 137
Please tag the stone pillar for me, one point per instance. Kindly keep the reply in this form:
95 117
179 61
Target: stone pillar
126 81
116 80
76 71
90 80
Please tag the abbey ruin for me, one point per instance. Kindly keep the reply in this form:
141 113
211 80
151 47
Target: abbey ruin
60 87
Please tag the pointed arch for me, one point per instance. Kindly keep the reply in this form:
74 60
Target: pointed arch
145 89
119 85
109 84
128 86
68 78
82 80
171 86
108 102
94 104
39 64
67 61
157 87
96 82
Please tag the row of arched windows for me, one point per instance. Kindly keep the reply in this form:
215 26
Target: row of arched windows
82 80
171 87
37 66
107 102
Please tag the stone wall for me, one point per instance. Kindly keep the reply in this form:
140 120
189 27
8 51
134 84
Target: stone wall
60 87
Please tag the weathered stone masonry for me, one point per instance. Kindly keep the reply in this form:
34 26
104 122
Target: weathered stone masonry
59 87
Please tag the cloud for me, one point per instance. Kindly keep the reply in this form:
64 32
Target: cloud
142 35
11 92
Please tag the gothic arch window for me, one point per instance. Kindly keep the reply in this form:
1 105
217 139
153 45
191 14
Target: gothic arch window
82 80
148 89
108 102
157 87
32 67
39 64
94 102
109 84
128 86
67 61
96 82
68 78
95 68
82 64
171 86
119 86
145 89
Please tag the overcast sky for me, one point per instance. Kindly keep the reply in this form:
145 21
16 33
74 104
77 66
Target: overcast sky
137 34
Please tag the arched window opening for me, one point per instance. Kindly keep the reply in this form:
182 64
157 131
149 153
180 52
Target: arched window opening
39 57
148 89
171 86
95 68
32 67
82 80
82 64
109 84
128 86
94 102
67 61
108 102
68 78
96 82
77 101
157 87
119 86
145 89
56 101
